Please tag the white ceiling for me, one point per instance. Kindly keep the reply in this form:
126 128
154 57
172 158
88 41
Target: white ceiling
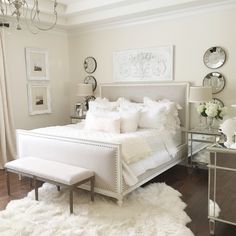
80 13
84 13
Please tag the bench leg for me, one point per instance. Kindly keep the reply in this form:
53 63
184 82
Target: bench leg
8 183
58 188
71 201
36 189
92 188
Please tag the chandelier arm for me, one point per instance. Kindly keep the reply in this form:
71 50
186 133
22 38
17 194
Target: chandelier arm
46 28
3 5
27 23
20 7
35 9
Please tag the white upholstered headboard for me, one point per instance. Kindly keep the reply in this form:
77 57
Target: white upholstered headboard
173 91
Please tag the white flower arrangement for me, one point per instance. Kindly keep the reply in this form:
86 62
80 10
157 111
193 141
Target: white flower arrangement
212 109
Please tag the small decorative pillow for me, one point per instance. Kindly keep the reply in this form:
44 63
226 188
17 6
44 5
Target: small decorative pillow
102 122
129 120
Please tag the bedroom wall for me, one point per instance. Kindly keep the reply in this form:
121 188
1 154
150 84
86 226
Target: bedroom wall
56 43
191 35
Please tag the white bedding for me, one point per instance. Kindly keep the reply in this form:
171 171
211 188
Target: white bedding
141 150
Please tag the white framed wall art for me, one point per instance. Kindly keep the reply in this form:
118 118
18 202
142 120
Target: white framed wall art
36 64
39 100
143 65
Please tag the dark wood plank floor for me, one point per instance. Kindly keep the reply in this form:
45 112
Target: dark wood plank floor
192 185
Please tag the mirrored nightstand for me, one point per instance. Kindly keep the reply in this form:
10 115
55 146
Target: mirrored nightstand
221 186
77 119
205 137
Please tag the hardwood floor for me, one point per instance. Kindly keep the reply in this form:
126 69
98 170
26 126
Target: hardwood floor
192 185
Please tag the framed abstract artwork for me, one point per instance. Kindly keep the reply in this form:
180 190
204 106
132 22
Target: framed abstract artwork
36 64
39 99
150 64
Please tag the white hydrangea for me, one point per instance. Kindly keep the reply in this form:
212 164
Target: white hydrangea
223 111
200 108
212 109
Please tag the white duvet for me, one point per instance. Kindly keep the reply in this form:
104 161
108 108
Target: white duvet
141 150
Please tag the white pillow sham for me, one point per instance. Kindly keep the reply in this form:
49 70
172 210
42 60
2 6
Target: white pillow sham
128 121
125 104
102 104
161 115
102 122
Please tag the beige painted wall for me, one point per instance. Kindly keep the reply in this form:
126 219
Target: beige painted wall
56 44
191 35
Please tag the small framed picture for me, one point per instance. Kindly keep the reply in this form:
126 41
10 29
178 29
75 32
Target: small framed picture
36 64
39 100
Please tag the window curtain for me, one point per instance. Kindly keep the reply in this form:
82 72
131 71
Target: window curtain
7 131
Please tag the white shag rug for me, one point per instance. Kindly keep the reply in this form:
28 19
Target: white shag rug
155 210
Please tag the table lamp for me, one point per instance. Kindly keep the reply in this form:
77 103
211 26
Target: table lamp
229 129
85 91
198 95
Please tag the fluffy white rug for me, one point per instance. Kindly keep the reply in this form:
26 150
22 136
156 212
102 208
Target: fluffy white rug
154 210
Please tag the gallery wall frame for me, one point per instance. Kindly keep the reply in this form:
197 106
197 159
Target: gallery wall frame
39 99
37 66
144 65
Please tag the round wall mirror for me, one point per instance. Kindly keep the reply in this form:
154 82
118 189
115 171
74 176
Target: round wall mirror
91 80
90 65
218 101
214 57
214 80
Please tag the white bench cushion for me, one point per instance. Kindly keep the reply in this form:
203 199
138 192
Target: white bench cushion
50 170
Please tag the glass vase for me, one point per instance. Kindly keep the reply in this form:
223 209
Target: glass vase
210 123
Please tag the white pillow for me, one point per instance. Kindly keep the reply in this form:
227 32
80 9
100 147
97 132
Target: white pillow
129 120
102 104
172 113
152 117
160 114
102 122
125 104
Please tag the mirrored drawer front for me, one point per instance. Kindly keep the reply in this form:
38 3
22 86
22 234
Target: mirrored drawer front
222 194
227 160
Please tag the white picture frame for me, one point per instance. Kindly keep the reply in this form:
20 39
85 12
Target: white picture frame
37 64
144 65
39 99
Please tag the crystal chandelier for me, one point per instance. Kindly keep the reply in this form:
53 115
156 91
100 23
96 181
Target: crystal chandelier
31 13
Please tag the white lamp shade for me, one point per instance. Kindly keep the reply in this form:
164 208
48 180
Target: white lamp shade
229 126
84 90
200 94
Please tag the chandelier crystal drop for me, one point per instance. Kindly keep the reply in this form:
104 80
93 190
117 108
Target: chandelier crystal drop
30 10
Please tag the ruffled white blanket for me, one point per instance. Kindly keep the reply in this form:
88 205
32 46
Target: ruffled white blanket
135 149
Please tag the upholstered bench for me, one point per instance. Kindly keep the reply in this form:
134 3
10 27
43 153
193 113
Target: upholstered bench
53 172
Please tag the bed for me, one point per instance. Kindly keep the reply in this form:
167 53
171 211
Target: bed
103 157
